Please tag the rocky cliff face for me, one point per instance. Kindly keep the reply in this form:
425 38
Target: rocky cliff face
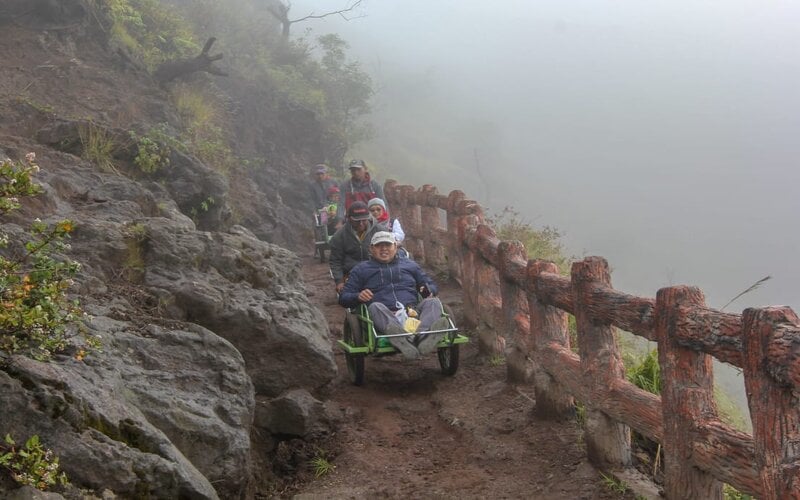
208 338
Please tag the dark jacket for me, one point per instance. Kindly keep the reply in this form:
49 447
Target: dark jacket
397 281
347 250
359 191
319 192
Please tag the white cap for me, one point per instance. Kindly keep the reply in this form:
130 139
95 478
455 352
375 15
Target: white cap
382 237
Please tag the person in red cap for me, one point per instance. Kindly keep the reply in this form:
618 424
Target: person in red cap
350 244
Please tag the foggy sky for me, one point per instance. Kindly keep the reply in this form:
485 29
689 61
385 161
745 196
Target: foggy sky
660 135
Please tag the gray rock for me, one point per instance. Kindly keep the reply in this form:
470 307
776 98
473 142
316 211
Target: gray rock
165 413
295 413
31 493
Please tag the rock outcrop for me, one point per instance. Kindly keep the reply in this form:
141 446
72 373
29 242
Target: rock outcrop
195 326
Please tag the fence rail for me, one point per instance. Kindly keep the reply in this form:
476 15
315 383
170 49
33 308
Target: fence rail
521 306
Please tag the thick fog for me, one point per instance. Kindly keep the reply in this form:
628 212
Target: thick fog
660 135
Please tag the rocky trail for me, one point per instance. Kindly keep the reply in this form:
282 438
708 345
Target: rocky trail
410 432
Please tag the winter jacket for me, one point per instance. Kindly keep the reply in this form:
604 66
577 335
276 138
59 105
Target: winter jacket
319 192
354 191
397 231
397 281
347 250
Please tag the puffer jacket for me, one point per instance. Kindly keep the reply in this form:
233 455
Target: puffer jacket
347 250
396 281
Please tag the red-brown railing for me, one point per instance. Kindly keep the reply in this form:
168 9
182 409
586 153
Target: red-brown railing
523 304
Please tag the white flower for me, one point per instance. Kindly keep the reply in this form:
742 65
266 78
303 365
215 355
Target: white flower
31 157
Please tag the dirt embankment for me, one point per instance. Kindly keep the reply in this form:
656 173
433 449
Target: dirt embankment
410 432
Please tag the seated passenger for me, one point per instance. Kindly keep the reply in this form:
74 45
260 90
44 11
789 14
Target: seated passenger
350 244
331 210
388 285
377 208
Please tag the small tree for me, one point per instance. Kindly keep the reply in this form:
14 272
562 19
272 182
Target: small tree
348 90
34 309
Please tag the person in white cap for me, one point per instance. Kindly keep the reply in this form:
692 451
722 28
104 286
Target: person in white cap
388 284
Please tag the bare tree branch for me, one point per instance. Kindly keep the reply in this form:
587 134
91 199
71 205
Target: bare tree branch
340 12
280 11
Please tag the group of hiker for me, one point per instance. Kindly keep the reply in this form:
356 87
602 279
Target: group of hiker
366 261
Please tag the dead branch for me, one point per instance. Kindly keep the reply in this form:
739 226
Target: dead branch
281 13
180 67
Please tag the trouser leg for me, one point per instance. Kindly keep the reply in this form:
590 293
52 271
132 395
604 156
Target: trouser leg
381 316
430 310
430 319
386 322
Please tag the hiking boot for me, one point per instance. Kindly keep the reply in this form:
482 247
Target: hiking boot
428 343
442 323
402 344
429 340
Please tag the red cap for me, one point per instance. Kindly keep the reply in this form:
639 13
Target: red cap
358 211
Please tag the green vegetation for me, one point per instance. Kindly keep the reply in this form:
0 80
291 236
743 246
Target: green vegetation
134 265
34 310
204 126
97 146
204 206
731 493
580 414
644 372
152 151
149 30
497 360
539 243
613 484
31 464
320 464
42 108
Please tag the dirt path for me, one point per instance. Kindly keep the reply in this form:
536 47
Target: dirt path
410 432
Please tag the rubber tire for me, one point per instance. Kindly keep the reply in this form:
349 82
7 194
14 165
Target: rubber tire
352 335
448 356
448 359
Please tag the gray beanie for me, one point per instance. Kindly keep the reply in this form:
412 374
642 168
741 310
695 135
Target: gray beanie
376 201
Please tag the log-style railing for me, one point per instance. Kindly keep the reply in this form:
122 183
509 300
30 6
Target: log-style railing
521 306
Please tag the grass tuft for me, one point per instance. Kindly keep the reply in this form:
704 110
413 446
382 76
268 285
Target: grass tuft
97 147
321 466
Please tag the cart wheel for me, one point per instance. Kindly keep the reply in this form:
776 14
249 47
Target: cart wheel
448 359
448 356
322 255
352 335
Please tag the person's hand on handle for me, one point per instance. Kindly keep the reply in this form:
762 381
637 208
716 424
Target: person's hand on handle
365 295
339 287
